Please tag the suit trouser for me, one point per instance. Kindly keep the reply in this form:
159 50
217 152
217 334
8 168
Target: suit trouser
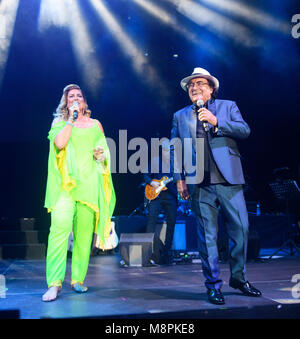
169 203
206 201
69 215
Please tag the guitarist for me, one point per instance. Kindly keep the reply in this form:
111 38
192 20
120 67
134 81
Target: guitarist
166 200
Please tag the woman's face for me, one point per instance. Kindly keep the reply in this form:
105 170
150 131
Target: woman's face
75 95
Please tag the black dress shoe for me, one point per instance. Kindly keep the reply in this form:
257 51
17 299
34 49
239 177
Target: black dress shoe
245 287
215 296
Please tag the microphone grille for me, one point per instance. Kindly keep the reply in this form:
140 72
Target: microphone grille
200 103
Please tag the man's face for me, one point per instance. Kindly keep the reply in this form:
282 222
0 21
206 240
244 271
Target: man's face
199 89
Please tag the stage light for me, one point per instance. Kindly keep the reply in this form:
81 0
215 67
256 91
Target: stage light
8 12
251 14
216 23
137 58
66 13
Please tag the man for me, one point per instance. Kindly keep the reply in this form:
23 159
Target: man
218 124
166 200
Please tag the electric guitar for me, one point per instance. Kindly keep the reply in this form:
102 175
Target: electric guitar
113 240
110 243
152 192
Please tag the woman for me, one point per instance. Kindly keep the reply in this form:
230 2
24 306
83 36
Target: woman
79 194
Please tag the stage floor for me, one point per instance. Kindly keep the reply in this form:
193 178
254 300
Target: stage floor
175 291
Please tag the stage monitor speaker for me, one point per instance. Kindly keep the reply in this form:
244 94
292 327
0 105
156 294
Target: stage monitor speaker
136 248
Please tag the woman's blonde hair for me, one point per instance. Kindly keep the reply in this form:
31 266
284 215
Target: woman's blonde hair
62 110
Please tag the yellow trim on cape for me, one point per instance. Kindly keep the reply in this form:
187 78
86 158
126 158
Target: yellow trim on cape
67 183
108 194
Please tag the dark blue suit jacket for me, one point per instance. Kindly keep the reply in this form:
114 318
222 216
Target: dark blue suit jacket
231 127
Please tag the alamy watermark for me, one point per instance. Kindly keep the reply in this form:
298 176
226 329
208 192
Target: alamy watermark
136 155
296 287
296 28
2 287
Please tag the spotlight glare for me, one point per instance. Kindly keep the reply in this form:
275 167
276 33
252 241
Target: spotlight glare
160 14
8 13
156 11
216 22
251 14
138 60
52 13
66 13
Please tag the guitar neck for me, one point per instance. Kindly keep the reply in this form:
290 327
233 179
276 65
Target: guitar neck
168 180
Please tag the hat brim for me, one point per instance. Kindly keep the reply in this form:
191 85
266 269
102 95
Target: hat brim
184 82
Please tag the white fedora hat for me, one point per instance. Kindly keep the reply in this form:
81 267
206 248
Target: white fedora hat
199 73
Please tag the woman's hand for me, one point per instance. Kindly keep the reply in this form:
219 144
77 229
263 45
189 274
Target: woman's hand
99 154
72 109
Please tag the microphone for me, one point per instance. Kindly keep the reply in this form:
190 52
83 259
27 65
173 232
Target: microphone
200 104
75 113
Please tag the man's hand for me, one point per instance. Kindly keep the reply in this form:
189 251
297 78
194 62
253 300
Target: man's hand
183 190
207 116
154 184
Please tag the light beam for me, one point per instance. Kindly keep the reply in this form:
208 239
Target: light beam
66 13
8 13
251 14
216 23
167 19
138 60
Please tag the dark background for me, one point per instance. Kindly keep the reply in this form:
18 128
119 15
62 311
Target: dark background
263 78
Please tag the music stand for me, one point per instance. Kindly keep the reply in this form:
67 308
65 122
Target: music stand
284 191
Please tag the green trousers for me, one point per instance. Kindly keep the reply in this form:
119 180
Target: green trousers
67 216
